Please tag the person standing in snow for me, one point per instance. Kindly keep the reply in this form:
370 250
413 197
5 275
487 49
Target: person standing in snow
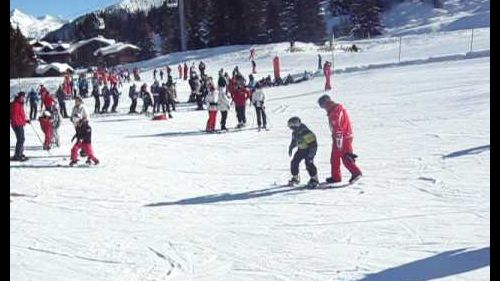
61 100
320 65
46 125
80 111
305 141
133 95
154 74
240 96
327 71
106 93
258 98
56 123
96 93
17 121
161 74
116 97
201 67
251 83
155 91
147 98
185 71
341 130
223 105
33 98
212 108
163 99
254 66
83 138
180 71
47 100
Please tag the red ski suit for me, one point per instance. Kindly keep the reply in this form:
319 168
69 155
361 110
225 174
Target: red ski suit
327 71
17 114
46 124
340 126
47 100
240 96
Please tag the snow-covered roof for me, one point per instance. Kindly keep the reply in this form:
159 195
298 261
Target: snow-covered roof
115 48
59 67
69 48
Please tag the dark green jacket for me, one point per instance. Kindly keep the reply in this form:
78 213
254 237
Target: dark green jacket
303 138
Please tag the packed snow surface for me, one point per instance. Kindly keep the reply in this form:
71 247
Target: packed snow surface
170 202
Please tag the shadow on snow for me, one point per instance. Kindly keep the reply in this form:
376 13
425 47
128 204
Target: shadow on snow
224 197
474 150
437 266
189 133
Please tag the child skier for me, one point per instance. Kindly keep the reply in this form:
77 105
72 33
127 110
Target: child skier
305 140
46 125
56 123
212 108
258 98
83 138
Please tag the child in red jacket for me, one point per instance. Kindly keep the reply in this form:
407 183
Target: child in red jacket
83 138
46 124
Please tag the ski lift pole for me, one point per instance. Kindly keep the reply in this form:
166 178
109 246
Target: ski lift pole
399 56
471 40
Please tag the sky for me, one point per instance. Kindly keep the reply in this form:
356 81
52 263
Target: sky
67 9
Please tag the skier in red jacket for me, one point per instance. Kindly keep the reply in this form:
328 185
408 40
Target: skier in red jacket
48 101
340 126
240 96
327 71
18 120
46 124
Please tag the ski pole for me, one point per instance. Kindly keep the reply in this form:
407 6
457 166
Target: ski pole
40 139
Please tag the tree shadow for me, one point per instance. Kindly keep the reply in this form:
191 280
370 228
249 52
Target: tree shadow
474 150
437 266
225 197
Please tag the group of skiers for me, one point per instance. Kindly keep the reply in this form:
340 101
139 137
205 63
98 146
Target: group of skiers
162 98
50 121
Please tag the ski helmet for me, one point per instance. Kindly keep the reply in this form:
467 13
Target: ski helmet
294 122
323 100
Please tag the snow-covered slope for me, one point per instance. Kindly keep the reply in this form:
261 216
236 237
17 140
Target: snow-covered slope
33 27
135 5
170 202
412 17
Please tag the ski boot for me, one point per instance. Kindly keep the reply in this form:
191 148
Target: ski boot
294 180
330 180
72 163
354 178
313 182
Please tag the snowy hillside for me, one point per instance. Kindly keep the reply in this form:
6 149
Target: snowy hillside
135 5
412 17
33 27
170 202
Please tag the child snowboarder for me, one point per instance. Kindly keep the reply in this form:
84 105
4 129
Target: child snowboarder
83 138
46 125
305 140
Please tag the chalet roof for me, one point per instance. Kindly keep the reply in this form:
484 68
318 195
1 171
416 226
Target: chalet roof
115 48
59 67
65 48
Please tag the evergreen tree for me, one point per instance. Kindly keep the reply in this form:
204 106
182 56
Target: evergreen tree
366 18
310 22
340 7
22 62
273 30
288 18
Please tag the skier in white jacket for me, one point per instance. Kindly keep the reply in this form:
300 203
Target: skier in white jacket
223 105
79 112
258 98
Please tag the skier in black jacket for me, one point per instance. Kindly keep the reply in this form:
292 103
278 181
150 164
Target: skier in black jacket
305 140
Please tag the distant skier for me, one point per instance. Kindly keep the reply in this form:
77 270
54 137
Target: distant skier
185 71
341 130
83 138
240 96
147 98
252 54
327 71
320 65
180 71
116 97
46 125
211 101
305 141
202 67
18 120
161 74
97 102
155 91
258 98
133 95
254 66
33 99
61 100
171 94
154 74
106 93
223 105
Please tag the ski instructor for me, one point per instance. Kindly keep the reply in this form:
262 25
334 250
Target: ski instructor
340 126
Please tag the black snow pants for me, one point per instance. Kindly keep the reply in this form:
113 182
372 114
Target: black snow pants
97 105
33 110
133 105
115 103
261 116
240 114
308 155
223 120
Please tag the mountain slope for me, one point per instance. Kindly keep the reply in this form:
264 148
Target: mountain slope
134 5
33 27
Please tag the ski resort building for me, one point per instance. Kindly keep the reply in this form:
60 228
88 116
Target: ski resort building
84 53
53 69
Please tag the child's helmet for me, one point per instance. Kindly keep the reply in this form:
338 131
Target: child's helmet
294 122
